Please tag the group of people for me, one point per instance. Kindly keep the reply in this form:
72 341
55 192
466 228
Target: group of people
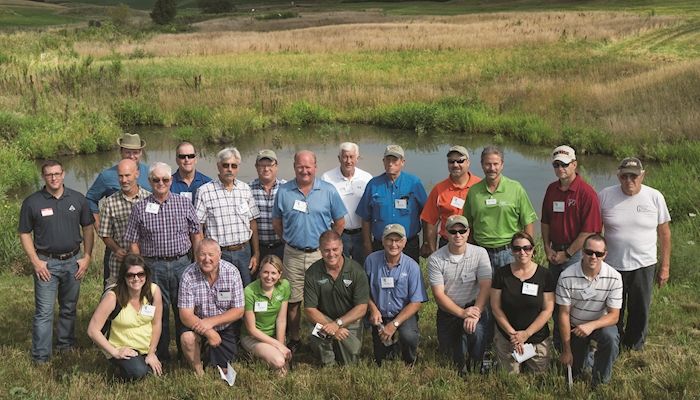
235 261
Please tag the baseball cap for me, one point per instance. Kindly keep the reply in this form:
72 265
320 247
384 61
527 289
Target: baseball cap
456 220
266 153
394 228
564 154
394 150
459 149
630 165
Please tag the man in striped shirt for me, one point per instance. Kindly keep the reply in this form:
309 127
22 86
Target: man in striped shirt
589 295
264 189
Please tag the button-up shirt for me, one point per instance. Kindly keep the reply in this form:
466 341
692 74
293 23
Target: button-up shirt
350 190
446 199
226 214
392 289
265 202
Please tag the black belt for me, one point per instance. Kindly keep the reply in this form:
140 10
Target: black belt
58 256
173 258
234 247
500 248
271 245
352 231
560 247
304 249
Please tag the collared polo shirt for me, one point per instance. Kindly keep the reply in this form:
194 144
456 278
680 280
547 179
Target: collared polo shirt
211 300
571 212
444 201
459 274
226 214
55 221
334 298
181 187
350 191
606 289
495 217
265 202
305 218
400 202
406 281
107 182
266 309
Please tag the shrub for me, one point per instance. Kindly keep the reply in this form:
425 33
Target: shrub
227 126
216 6
163 12
131 112
305 113
194 115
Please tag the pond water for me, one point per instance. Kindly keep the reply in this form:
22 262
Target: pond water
425 156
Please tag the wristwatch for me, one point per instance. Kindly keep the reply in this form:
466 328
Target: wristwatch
339 322
396 323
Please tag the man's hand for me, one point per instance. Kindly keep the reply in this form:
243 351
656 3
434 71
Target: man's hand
213 338
387 333
470 324
375 318
519 337
83 264
550 254
41 270
662 276
472 312
426 249
566 358
341 334
331 328
560 257
253 264
582 330
120 254
201 327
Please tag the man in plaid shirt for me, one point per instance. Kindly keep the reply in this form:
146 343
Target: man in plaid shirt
264 189
210 301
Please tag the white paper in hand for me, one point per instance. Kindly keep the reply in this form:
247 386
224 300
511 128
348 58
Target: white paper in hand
569 376
528 353
230 375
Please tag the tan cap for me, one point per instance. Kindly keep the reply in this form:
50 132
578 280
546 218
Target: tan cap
456 220
394 228
266 153
131 141
459 149
564 154
394 150
630 165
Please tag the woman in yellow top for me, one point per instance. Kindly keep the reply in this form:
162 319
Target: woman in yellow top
135 331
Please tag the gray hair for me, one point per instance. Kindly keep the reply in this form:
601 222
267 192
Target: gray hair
350 147
488 150
229 152
159 166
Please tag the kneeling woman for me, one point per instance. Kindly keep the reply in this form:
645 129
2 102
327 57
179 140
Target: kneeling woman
134 332
265 316
522 300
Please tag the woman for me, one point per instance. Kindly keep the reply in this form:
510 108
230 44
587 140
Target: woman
265 316
522 300
135 331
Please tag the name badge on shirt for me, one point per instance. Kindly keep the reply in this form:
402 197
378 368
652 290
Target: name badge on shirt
491 202
457 202
530 289
387 282
588 293
243 208
401 204
186 194
558 206
300 206
223 296
152 208
148 310
260 306
46 212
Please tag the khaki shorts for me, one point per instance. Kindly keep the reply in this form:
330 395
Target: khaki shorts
248 342
296 263
504 350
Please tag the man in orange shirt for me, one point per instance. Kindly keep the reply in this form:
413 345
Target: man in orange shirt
446 199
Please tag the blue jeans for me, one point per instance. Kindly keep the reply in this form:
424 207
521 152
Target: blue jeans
241 259
500 258
608 348
131 369
408 336
167 275
353 248
454 342
63 284
556 270
637 288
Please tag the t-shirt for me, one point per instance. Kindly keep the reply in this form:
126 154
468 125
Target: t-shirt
334 298
460 274
266 309
521 309
350 191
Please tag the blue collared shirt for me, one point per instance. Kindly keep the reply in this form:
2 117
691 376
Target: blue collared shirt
107 182
382 203
407 283
179 186
302 228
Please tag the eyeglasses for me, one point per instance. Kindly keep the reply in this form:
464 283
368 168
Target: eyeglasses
517 249
559 164
53 175
132 275
590 252
229 165
159 180
263 166
629 177
456 231
460 161
183 156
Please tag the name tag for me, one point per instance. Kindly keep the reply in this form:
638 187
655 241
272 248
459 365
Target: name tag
387 282
530 289
457 202
558 206
401 204
148 310
243 208
223 296
588 293
301 206
260 306
491 202
186 194
46 212
152 208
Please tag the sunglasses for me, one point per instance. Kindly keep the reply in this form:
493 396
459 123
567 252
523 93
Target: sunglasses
460 161
590 252
229 165
518 249
559 164
183 156
159 180
456 231
132 275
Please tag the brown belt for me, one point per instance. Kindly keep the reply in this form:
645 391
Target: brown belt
234 247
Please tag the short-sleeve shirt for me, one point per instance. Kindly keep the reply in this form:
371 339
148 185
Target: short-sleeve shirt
305 218
350 191
334 298
631 224
446 199
392 289
179 186
265 202
387 202
107 182
226 214
495 217
55 221
605 289
522 309
211 300
459 274
570 212
266 309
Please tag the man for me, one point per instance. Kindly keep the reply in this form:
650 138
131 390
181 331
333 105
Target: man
460 278
227 212
570 213
107 183
397 294
304 208
163 228
636 219
497 208
394 197
336 293
446 199
589 295
114 215
50 222
350 182
186 179
210 301
264 189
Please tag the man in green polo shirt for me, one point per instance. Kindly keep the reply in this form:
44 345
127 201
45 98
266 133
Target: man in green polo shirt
336 293
497 208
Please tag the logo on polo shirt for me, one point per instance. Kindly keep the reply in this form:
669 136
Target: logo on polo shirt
71 208
347 282
323 281
571 202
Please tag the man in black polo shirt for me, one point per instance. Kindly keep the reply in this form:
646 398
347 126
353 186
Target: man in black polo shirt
336 293
55 216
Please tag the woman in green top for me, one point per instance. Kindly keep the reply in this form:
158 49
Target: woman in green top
265 315
134 332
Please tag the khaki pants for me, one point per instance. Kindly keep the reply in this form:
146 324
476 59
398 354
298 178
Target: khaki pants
330 351
296 263
538 363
